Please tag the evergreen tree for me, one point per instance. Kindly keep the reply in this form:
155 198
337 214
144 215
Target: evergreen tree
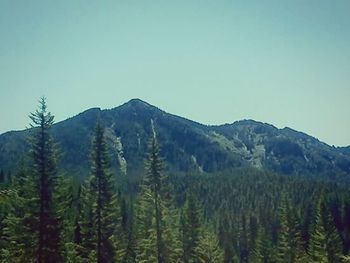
130 235
208 249
253 225
20 226
317 244
155 219
283 245
32 226
146 250
63 200
85 237
190 229
155 180
122 232
226 237
244 239
264 252
257 250
333 241
99 217
298 253
44 171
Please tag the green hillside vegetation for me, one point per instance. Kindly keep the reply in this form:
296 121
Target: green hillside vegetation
158 188
187 146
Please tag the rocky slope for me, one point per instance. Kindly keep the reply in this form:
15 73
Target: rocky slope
187 146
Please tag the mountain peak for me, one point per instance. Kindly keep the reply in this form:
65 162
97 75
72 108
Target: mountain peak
137 102
138 105
186 145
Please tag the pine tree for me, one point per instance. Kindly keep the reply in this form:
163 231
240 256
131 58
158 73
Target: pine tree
155 181
32 226
208 249
244 239
150 213
190 229
317 243
121 231
20 226
298 253
283 245
99 214
128 225
85 237
146 250
263 251
333 241
257 253
63 200
44 171
253 226
226 237
155 218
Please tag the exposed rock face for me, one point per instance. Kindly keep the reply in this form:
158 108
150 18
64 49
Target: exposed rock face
187 146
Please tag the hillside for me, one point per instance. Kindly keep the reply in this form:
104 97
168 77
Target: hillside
187 146
218 190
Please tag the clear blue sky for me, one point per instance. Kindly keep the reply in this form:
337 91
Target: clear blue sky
282 62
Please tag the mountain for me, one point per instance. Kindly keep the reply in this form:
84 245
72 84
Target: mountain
345 149
186 146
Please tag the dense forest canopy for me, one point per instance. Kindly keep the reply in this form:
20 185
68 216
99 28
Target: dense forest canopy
245 214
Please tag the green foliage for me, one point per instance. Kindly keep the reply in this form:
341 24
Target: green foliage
190 229
334 244
345 259
152 206
44 171
283 243
298 253
325 244
99 214
187 146
20 226
85 236
32 225
208 249
241 215
317 243
63 204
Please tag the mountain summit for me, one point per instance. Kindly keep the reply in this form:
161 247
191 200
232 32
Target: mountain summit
187 146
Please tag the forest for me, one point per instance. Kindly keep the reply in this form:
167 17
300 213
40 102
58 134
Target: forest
241 215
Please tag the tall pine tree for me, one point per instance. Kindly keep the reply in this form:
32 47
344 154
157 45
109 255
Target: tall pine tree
99 205
334 244
283 245
154 217
190 229
317 243
44 172
208 249
298 253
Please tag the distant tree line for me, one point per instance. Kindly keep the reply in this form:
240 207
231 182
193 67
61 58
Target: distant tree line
235 216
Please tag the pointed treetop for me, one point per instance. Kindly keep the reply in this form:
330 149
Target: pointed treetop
41 117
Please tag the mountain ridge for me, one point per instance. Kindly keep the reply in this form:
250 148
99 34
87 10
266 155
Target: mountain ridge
187 146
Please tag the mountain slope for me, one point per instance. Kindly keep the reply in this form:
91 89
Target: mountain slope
187 146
